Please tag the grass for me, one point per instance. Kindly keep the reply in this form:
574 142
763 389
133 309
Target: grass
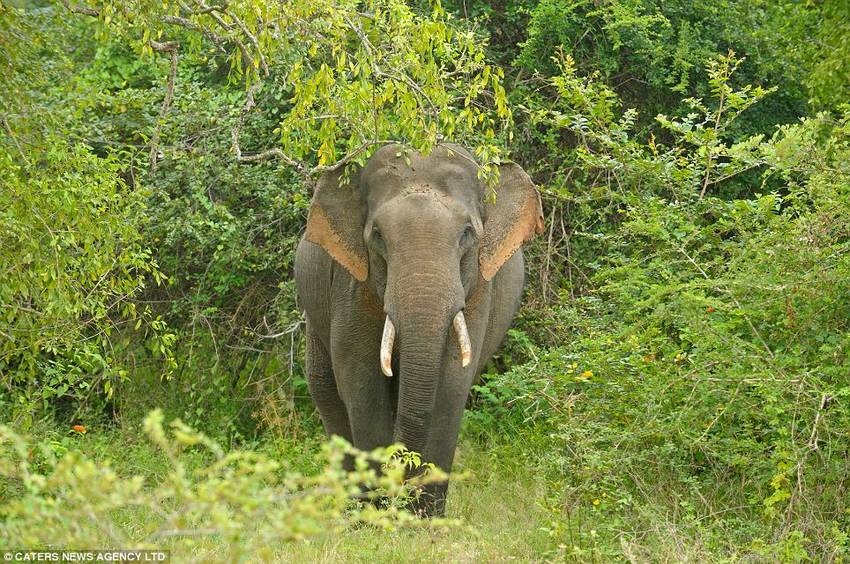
502 513
497 506
502 509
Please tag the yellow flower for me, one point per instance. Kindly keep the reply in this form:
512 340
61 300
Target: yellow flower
587 374
596 502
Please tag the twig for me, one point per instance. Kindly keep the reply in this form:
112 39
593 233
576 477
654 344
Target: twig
214 38
13 138
705 181
813 438
291 329
85 10
246 54
751 166
349 157
269 154
253 41
170 47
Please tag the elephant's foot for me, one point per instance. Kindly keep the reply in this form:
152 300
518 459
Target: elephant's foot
429 500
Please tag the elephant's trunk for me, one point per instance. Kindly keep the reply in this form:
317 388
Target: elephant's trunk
424 302
421 353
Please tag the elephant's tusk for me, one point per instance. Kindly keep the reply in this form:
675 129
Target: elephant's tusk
459 324
387 348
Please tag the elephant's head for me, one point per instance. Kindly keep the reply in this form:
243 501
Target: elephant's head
419 232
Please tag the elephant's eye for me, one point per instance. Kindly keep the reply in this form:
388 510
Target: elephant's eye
467 236
377 238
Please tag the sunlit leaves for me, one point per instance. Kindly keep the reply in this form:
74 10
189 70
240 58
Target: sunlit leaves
388 73
72 260
242 497
360 72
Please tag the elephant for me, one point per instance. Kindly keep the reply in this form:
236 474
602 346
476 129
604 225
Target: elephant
409 277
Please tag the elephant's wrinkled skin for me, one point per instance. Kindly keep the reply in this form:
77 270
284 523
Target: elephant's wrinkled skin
409 240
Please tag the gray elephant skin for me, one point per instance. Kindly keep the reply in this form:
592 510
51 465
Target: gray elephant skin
409 277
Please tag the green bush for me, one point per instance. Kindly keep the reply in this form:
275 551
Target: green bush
244 501
653 52
711 352
73 264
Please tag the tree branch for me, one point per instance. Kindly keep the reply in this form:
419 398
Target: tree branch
348 157
275 153
85 10
246 54
214 38
170 47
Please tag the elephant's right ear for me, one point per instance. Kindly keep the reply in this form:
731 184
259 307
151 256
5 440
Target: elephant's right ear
336 219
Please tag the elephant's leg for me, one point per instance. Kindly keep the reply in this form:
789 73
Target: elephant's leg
443 436
323 388
367 394
355 327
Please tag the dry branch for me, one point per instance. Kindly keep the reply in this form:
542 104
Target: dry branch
169 47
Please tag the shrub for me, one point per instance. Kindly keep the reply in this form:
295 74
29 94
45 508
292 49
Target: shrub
73 262
243 498
706 368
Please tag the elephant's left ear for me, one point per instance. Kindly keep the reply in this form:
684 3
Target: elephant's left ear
514 218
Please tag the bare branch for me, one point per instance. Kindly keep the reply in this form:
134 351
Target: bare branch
211 11
171 47
293 327
271 154
214 38
164 47
275 153
349 157
85 10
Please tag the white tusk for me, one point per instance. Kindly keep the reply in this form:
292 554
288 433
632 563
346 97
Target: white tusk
387 348
459 324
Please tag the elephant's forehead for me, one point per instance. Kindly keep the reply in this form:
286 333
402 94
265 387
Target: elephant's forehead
390 172
416 204
398 155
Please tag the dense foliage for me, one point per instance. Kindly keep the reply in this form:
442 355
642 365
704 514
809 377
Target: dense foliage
239 496
677 377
